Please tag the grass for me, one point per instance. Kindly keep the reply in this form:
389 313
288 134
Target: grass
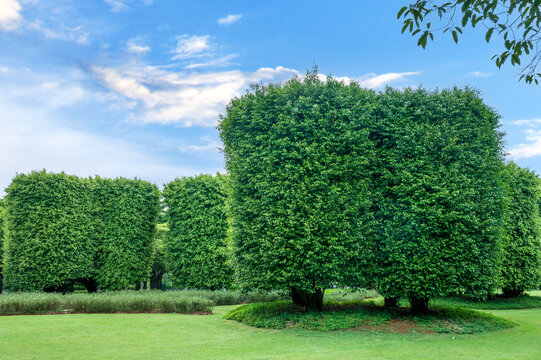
184 301
177 336
366 315
108 302
528 301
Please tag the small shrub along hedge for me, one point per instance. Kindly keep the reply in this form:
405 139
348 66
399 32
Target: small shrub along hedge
2 215
107 302
62 229
365 315
221 297
493 303
196 243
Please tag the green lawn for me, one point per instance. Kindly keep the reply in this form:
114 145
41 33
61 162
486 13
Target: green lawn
176 336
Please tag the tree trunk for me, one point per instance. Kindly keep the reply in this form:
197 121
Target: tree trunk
511 293
90 285
156 280
308 300
65 288
391 302
419 305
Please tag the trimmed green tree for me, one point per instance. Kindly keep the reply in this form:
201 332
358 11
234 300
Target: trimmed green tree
49 243
126 213
521 265
196 244
298 157
439 196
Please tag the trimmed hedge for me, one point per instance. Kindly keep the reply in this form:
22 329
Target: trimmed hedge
439 195
196 243
49 242
298 159
2 216
521 266
62 229
127 212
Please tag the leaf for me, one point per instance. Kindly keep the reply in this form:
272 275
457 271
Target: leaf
489 34
455 37
401 11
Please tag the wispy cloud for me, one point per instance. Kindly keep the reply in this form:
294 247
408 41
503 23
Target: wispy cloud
10 17
221 61
134 46
229 19
76 34
122 5
528 122
375 81
208 145
479 74
189 46
186 98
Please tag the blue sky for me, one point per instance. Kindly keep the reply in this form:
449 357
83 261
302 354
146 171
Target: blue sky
135 87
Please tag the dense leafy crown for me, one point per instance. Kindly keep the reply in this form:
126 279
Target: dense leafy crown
62 229
196 244
439 193
521 267
298 156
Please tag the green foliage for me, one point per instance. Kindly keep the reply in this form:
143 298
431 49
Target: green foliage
517 22
298 156
283 314
49 242
107 302
521 266
221 297
2 216
126 219
438 194
494 303
62 229
158 262
196 245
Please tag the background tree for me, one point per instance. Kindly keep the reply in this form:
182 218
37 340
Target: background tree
298 159
49 242
521 266
159 264
517 22
438 195
196 243
126 212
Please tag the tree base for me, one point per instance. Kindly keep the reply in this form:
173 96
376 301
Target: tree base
419 305
90 285
511 293
391 302
308 300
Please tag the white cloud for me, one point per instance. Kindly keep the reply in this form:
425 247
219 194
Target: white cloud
533 135
229 19
208 145
222 61
34 137
135 47
479 74
189 46
10 16
186 98
122 5
374 81
68 34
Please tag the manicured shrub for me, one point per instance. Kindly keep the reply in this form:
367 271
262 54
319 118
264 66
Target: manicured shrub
298 159
125 219
521 265
49 242
62 229
196 244
438 195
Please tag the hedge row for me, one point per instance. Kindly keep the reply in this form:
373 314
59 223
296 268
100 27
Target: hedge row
196 243
62 229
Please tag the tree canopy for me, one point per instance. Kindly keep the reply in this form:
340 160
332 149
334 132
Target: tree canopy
517 22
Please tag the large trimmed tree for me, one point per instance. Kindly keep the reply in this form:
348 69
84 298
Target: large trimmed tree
196 242
439 195
298 156
521 266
